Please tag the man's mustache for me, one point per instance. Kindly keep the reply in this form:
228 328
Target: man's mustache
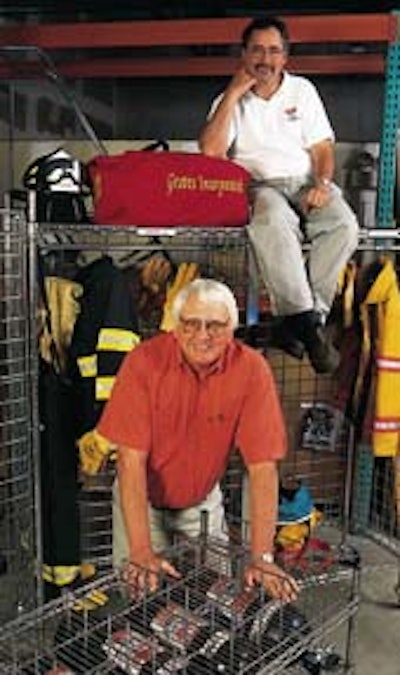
262 66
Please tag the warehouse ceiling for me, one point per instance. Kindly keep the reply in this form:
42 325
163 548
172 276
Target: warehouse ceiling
124 10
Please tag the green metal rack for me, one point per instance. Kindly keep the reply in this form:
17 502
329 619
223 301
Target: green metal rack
390 126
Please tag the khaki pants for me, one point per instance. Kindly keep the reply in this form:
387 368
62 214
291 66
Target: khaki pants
165 523
277 237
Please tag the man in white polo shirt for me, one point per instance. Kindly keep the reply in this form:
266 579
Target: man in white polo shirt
275 125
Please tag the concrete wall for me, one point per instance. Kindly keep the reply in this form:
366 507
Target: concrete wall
172 108
177 108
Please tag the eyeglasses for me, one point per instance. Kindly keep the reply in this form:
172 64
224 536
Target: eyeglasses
260 50
213 328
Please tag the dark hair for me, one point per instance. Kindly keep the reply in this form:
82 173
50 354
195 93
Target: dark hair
265 23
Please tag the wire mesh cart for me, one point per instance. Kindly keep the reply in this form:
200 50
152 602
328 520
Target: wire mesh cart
328 601
185 627
218 253
204 622
18 530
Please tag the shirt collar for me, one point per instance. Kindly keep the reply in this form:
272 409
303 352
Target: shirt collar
250 94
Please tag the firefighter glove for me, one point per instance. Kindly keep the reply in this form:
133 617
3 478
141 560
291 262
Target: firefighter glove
94 450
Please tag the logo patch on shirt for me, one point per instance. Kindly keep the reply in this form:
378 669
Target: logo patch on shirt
291 114
218 417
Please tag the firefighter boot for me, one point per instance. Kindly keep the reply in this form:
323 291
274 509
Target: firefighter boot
307 328
283 337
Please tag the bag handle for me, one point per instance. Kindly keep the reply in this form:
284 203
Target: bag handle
160 144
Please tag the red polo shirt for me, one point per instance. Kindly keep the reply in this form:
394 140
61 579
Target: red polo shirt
188 424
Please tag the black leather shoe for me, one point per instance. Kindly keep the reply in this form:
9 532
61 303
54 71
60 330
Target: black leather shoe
307 328
324 358
282 338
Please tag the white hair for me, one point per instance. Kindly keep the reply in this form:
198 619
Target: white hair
210 291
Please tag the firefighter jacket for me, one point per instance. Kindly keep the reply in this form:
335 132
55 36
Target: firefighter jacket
385 294
105 330
63 306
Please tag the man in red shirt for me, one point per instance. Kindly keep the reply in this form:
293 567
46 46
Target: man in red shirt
181 401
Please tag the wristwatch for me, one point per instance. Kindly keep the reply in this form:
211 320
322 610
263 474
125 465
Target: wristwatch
325 182
267 558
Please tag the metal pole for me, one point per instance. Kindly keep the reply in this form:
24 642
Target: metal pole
34 388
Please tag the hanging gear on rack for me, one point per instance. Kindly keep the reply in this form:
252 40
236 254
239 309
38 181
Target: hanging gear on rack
186 272
155 273
58 466
154 277
63 302
106 329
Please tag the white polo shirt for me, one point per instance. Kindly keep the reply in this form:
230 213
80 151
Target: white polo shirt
270 138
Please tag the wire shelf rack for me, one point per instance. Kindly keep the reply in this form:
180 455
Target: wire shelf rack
205 622
17 496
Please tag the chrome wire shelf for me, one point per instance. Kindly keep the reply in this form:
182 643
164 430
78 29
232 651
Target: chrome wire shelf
205 622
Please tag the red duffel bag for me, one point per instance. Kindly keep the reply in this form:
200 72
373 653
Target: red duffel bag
168 189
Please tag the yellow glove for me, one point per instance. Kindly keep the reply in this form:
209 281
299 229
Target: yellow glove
185 274
91 601
94 451
87 570
292 536
296 534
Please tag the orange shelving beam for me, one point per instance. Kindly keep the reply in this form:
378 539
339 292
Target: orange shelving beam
360 64
303 29
353 29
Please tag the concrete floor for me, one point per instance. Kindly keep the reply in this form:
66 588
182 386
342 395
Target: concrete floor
377 635
377 647
376 628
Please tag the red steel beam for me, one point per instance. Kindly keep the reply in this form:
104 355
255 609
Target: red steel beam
362 64
303 29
